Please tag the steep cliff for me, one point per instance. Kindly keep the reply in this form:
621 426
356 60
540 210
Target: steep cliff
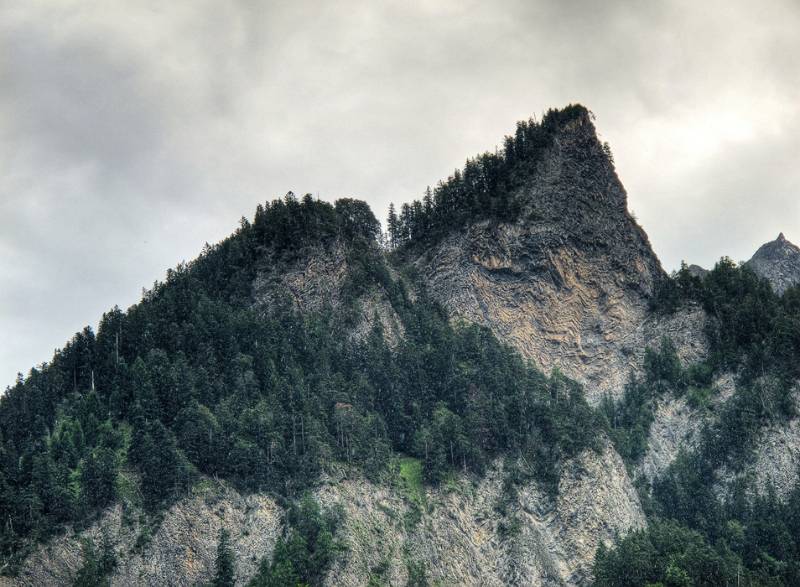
778 262
322 280
567 283
455 534
310 357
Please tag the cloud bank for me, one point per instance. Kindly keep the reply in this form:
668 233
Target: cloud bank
131 133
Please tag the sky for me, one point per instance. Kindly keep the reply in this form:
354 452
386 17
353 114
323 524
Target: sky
131 133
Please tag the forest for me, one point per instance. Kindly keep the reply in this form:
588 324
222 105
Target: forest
487 187
198 380
693 536
195 380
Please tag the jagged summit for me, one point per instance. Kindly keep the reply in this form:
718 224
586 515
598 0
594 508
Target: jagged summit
778 262
501 186
566 277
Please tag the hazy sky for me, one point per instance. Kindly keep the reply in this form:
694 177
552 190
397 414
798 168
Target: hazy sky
131 132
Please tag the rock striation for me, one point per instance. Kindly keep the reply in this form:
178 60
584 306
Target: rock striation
567 284
778 262
458 538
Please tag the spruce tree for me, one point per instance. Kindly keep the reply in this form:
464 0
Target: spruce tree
225 574
392 225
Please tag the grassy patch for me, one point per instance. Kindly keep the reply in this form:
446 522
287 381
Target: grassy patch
413 490
411 477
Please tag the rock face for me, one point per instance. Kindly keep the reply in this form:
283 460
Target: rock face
775 464
568 283
674 428
677 426
778 262
181 550
314 282
458 538
461 539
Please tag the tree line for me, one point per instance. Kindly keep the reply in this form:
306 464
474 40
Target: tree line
197 380
487 187
695 536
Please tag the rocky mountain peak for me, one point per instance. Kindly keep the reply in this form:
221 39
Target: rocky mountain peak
567 279
778 262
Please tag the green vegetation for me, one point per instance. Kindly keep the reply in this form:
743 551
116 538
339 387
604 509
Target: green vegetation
411 475
667 554
752 328
756 542
225 564
303 555
197 379
200 380
629 418
694 538
487 187
96 568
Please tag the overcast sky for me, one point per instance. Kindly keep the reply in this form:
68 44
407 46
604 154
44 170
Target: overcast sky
132 132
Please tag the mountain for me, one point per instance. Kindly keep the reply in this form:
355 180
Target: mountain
567 283
506 388
778 262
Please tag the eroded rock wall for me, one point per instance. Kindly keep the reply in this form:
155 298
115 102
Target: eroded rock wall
459 538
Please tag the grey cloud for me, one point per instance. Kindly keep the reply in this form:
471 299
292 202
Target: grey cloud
131 133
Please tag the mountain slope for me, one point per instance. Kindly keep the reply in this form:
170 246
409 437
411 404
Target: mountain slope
512 385
568 281
778 262
459 537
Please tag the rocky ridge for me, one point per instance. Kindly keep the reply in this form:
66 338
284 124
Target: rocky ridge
459 538
778 262
568 284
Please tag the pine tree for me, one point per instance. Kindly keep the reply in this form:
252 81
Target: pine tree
225 575
393 226
406 223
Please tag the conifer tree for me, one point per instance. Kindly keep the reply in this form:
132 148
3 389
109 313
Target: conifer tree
226 564
392 226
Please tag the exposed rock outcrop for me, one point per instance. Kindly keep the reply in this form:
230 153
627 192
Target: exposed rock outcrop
778 262
775 464
676 427
697 271
459 538
181 550
567 284
318 280
462 540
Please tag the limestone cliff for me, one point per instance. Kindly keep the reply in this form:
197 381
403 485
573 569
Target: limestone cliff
568 283
778 262
459 538
317 281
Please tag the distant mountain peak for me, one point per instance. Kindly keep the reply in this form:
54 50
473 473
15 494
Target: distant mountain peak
778 262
